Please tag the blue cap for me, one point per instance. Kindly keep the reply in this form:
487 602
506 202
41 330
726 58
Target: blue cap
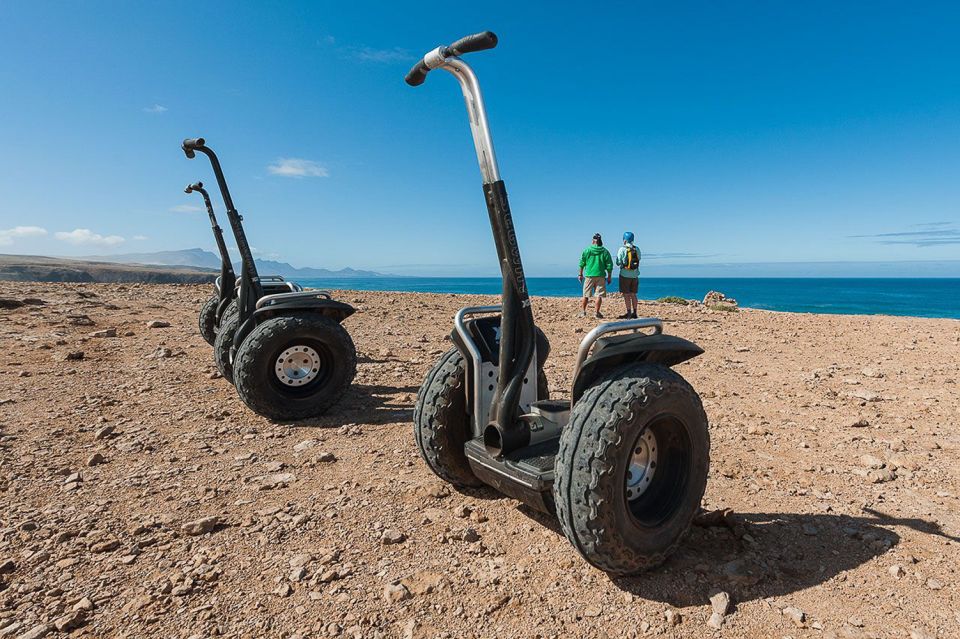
628 237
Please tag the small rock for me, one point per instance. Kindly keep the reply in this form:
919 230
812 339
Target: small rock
896 570
860 423
304 445
326 457
73 356
83 604
284 590
720 602
871 462
201 526
673 617
906 462
276 480
395 592
463 511
105 546
300 560
7 566
37 632
592 611
107 332
881 476
934 584
70 621
392 536
158 324
96 459
104 431
920 633
795 615
715 620
469 535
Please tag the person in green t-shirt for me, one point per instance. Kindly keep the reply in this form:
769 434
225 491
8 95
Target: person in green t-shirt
628 259
596 271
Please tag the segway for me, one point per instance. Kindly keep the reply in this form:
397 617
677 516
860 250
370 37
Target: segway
219 304
287 353
623 463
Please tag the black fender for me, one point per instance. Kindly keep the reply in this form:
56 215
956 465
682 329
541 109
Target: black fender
608 352
337 311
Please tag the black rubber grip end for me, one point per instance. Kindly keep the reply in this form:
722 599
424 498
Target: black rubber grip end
418 74
476 42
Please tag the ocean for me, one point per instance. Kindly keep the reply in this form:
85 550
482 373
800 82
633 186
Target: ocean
929 297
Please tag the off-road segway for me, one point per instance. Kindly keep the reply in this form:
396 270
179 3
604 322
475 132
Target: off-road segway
287 353
219 304
623 463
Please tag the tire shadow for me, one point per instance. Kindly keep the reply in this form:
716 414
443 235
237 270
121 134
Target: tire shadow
760 555
368 405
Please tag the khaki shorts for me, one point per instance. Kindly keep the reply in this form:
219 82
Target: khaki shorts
594 283
628 285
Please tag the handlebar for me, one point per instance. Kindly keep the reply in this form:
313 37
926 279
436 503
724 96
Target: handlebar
469 44
192 144
196 186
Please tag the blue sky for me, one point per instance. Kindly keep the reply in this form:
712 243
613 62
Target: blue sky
720 133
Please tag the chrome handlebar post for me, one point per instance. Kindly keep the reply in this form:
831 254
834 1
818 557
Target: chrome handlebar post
476 110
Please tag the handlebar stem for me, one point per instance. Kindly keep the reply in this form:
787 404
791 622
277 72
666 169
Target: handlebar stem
476 111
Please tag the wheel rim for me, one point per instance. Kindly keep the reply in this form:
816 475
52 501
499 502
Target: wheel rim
643 465
297 366
657 472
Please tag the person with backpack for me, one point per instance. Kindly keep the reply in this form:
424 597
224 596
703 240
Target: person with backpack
595 268
628 259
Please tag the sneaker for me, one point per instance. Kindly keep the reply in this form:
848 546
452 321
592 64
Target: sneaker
624 316
599 315
633 315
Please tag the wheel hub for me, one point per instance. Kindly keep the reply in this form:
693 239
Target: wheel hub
643 465
298 365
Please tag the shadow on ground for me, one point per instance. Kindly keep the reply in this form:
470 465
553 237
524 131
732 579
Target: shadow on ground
367 404
759 555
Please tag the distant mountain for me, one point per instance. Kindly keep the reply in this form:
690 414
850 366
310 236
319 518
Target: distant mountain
196 257
37 268
200 258
269 267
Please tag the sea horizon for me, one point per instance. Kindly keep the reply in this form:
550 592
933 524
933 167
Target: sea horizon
931 297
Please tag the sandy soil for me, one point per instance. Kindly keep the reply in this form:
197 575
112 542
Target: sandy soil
141 499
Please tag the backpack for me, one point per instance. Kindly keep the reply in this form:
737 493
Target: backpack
632 259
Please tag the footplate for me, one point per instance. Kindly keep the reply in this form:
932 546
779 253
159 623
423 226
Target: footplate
525 474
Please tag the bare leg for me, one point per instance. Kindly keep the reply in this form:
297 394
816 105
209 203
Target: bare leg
583 304
599 301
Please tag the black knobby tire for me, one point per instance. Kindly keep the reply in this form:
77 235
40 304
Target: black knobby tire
619 536
254 367
221 345
208 320
441 425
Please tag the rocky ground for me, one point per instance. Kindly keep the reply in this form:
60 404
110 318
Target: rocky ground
140 498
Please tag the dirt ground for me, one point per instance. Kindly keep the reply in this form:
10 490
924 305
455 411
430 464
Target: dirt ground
140 498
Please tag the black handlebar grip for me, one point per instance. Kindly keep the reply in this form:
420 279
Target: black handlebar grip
476 42
190 145
417 74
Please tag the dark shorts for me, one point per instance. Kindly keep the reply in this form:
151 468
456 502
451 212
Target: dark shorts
629 284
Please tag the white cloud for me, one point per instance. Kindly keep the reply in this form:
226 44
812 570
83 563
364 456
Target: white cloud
297 168
156 109
86 236
140 238
370 54
185 208
7 235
